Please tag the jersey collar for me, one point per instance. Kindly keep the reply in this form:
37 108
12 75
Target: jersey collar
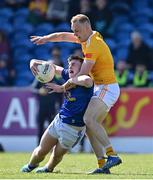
89 38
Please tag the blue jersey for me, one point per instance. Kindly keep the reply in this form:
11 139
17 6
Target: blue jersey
75 103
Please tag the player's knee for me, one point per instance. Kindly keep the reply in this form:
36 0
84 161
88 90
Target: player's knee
89 121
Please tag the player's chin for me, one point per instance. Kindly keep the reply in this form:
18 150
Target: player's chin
82 40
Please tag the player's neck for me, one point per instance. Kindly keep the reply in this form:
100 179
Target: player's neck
89 35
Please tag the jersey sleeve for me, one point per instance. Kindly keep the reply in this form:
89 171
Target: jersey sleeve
65 74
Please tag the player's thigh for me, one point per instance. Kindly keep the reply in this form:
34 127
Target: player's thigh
96 110
47 142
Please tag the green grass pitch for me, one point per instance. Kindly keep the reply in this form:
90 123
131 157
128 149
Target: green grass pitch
75 166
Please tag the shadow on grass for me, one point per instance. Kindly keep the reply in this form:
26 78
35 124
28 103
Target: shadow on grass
59 172
133 174
117 174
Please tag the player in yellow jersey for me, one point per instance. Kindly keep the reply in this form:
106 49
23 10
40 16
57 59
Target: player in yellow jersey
98 62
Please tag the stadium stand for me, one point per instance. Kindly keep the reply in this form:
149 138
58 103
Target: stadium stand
127 17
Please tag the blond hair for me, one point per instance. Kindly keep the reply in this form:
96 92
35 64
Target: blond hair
81 18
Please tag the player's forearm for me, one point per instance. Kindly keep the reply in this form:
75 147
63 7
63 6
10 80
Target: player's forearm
54 37
61 36
82 80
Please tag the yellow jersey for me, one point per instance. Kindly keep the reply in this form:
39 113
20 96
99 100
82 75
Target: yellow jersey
95 49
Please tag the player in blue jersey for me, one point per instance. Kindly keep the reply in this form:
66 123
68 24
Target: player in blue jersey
67 128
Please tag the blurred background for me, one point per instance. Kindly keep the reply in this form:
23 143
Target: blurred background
25 107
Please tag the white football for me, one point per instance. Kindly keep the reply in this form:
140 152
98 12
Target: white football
46 72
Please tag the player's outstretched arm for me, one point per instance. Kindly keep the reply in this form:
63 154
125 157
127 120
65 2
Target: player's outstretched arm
82 80
52 87
55 37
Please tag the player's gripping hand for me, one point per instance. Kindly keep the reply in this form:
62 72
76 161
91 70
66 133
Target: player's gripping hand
69 85
33 66
38 39
52 87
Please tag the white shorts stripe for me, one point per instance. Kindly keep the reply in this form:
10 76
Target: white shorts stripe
107 93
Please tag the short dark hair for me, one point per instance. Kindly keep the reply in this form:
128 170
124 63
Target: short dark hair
77 58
